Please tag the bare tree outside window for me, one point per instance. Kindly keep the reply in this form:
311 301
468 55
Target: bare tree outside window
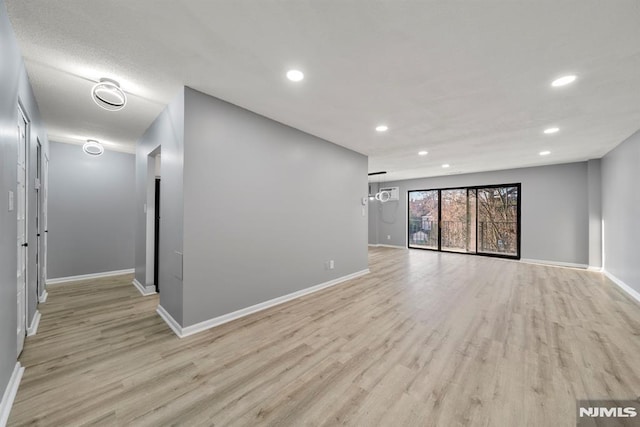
480 220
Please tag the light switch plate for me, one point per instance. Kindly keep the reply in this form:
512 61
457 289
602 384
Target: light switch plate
10 201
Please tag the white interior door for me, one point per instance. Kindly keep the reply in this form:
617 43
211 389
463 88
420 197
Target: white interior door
45 199
21 210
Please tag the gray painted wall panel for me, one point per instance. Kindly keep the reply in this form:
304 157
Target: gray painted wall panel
373 216
266 206
91 211
554 209
621 211
14 86
167 132
594 187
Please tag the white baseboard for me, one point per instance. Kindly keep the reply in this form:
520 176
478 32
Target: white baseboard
554 263
10 394
380 245
225 318
60 280
169 320
43 298
144 290
596 269
35 322
628 289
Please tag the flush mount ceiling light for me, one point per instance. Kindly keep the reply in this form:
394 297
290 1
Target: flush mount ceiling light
108 95
551 130
564 80
382 128
446 165
545 153
93 148
295 75
422 153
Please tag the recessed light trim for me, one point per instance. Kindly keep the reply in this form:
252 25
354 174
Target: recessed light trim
295 75
545 153
549 131
422 153
446 165
382 128
108 95
93 148
564 80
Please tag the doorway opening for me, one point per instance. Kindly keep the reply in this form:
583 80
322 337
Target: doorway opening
152 209
156 245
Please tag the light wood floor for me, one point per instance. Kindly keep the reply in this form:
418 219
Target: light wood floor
425 339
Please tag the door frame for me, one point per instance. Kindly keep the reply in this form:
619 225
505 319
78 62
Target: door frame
24 305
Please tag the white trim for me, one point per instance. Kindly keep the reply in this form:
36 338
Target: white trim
10 394
89 276
173 324
43 298
596 269
35 322
554 263
380 245
628 289
145 291
225 318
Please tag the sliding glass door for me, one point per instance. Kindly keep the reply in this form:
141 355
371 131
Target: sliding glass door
457 210
476 220
423 219
498 228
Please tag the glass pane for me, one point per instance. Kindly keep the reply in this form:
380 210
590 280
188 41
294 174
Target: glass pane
471 221
454 224
423 219
498 220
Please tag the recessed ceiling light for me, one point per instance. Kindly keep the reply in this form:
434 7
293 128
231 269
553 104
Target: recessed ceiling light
423 153
295 75
93 148
545 153
108 95
382 128
551 130
446 165
564 80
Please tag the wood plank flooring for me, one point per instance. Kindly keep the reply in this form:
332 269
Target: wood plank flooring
425 339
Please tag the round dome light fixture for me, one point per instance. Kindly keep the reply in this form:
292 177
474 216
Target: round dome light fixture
108 95
383 196
93 148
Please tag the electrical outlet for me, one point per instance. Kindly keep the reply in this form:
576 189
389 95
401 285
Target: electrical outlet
388 236
331 265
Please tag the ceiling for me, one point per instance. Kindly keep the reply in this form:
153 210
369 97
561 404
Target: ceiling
467 81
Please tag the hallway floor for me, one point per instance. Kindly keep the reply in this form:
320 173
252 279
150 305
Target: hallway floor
425 339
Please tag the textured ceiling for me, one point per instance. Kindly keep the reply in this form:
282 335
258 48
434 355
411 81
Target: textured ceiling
467 81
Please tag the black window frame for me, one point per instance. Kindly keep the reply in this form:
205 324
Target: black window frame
467 188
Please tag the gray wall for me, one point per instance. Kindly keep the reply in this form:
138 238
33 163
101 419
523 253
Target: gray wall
594 186
166 132
555 219
265 206
91 211
14 86
621 211
373 216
